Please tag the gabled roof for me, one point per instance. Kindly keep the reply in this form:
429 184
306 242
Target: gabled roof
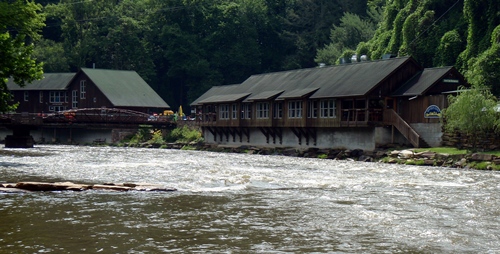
422 82
125 88
50 81
356 79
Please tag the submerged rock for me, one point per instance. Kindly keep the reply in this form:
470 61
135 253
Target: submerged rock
70 186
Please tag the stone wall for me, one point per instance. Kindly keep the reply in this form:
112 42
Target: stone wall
485 141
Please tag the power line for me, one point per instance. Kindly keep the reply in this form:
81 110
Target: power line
429 27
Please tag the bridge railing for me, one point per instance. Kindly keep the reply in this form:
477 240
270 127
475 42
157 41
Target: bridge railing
92 115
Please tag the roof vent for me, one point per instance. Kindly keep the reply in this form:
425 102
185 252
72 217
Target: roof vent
321 65
364 58
354 58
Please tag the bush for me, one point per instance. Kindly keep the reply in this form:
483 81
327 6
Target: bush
184 134
322 156
156 137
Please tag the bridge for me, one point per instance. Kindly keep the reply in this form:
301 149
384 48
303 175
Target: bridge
22 123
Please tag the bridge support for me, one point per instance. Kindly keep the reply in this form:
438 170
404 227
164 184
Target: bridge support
20 138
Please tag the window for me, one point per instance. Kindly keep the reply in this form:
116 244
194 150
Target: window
57 97
26 96
246 111
312 110
57 108
262 110
327 109
295 109
234 111
278 110
82 89
224 111
74 99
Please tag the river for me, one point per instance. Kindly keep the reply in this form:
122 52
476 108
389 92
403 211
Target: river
240 203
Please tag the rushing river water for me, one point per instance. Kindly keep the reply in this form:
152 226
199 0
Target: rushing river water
238 203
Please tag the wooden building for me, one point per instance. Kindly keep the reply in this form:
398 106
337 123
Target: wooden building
87 88
360 105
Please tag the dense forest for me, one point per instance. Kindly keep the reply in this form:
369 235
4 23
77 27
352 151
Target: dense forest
184 47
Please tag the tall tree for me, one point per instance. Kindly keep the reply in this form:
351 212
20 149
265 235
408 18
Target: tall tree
351 31
20 25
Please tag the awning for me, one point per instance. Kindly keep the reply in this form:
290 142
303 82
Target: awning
224 98
266 95
297 93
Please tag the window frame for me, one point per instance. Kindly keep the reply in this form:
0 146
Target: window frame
312 109
262 110
224 112
328 108
295 109
278 110
83 89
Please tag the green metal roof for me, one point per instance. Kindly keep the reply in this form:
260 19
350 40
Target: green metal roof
125 88
215 90
50 81
297 93
347 80
224 98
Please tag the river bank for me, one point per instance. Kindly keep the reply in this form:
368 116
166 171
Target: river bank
392 155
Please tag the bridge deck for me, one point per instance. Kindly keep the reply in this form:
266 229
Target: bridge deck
87 117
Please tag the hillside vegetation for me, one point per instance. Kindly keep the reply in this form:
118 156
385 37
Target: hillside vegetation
184 47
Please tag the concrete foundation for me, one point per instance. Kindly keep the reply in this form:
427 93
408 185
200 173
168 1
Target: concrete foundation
65 136
12 141
430 132
367 139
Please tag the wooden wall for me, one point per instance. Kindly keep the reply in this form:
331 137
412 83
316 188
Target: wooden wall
412 111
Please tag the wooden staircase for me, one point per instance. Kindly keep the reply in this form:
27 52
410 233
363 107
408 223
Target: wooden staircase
392 118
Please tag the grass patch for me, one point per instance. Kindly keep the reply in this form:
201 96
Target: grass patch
496 153
452 150
447 150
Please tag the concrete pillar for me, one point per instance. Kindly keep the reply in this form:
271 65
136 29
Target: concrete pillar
20 138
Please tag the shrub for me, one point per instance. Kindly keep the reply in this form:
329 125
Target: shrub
156 137
322 156
184 134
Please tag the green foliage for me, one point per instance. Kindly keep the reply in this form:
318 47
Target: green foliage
156 137
20 25
471 112
322 156
188 148
52 55
184 134
484 70
345 38
449 49
442 150
483 165
419 162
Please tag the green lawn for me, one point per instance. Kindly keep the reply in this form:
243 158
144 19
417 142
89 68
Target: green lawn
452 150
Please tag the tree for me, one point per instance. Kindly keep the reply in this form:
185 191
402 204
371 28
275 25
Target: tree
52 55
483 70
471 112
345 37
20 25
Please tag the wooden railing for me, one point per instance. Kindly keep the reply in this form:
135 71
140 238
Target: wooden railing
392 118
